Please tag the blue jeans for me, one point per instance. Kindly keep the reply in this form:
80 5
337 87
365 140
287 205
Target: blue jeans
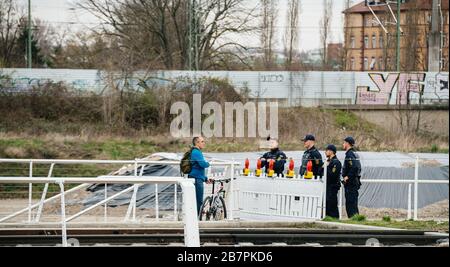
199 189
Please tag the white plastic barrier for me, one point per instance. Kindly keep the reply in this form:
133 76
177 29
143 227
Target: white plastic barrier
280 198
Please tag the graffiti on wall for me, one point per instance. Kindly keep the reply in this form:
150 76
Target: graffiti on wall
19 83
401 88
296 88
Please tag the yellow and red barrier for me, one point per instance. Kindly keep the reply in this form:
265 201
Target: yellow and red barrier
271 171
309 173
291 173
246 167
258 168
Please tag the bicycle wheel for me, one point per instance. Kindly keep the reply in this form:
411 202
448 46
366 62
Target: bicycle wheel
219 209
205 210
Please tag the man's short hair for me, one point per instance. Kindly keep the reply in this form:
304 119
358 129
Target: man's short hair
195 140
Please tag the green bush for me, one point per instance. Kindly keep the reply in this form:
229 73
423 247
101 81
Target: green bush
386 219
434 148
346 119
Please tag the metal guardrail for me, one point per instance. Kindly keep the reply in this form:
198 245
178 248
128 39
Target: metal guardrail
191 225
416 181
191 228
189 210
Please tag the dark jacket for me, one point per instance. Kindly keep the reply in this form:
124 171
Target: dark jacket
334 172
280 160
352 168
317 164
199 164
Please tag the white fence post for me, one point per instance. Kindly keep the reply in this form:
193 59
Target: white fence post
30 192
175 203
44 194
231 193
416 188
191 229
63 215
156 203
324 195
105 213
409 201
341 200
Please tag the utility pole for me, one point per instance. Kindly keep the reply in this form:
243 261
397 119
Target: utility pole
434 39
193 35
398 34
29 59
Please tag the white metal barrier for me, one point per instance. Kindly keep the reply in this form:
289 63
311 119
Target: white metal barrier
280 198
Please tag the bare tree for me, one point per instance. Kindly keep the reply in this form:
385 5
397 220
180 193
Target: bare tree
160 29
10 18
291 34
325 25
268 38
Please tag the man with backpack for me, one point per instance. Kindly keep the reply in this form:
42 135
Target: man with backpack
194 164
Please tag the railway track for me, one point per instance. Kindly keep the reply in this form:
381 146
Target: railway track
221 237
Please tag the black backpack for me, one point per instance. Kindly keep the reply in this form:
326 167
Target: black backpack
185 164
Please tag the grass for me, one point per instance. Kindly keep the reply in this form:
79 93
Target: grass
358 218
386 221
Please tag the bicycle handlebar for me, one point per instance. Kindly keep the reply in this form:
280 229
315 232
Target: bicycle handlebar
216 181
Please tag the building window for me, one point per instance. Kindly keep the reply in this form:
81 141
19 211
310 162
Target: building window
381 41
352 42
366 63
388 64
366 41
380 63
373 62
352 63
374 41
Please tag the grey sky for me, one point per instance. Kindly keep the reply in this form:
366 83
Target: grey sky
58 13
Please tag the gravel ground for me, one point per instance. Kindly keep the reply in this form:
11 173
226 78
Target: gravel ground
436 211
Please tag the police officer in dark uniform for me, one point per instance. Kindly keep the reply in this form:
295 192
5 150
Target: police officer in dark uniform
311 154
352 175
333 182
276 154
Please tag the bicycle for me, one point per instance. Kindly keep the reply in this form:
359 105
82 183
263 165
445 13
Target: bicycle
213 207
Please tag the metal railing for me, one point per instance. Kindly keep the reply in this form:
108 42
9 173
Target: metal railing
191 229
414 182
136 179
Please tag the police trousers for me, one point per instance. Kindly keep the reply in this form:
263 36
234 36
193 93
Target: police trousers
351 200
332 201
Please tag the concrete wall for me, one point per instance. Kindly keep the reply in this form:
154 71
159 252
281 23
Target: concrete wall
290 88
